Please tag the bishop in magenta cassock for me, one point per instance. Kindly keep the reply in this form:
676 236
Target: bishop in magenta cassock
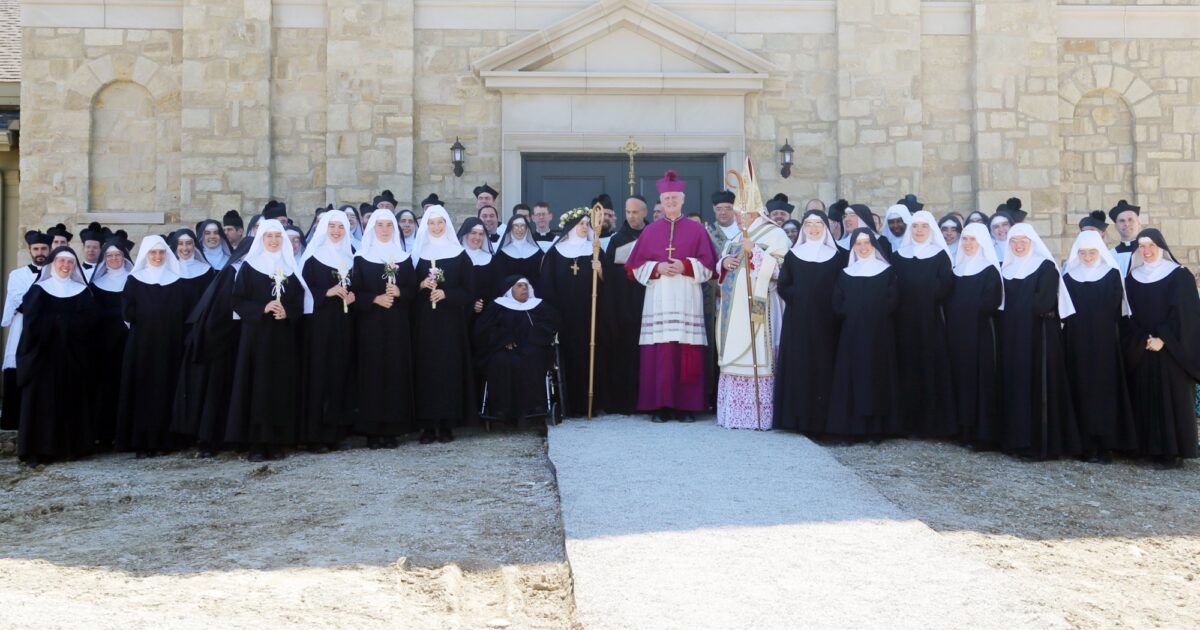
672 258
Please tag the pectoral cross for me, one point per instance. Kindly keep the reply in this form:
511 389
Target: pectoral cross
671 243
575 267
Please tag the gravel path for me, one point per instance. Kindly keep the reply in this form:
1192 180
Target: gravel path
447 536
693 526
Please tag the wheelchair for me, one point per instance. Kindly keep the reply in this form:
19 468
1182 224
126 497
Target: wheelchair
556 395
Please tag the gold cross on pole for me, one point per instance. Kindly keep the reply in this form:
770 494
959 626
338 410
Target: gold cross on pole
631 148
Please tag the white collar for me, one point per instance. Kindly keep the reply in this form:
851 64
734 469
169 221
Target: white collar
162 275
507 300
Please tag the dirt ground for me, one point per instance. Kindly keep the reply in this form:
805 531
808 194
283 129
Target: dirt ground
468 535
464 535
1110 546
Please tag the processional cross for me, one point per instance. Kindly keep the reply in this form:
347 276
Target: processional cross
631 148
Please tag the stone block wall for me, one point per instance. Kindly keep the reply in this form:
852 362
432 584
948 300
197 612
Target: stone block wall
450 103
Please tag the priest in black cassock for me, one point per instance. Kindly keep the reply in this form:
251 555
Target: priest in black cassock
1037 411
620 321
1092 345
268 295
108 285
567 285
385 285
514 349
925 276
1162 350
518 254
326 415
54 358
808 343
974 342
441 334
865 402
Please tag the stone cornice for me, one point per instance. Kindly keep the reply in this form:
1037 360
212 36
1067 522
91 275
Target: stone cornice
731 16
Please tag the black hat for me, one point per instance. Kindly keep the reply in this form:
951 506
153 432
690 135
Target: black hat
1095 219
94 232
431 200
837 210
910 201
604 200
274 210
1123 206
233 219
479 190
722 196
60 230
384 196
34 237
779 202
1012 208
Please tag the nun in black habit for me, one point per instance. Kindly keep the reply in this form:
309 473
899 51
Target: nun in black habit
518 254
1162 350
1038 417
1092 342
213 244
808 344
567 285
473 237
924 276
514 349
268 295
107 284
441 332
153 304
864 404
974 343
385 284
54 358
328 361
195 270
201 408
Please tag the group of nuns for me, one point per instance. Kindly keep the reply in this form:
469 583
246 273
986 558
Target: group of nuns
920 340
268 346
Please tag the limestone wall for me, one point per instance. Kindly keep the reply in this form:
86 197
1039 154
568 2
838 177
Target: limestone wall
233 102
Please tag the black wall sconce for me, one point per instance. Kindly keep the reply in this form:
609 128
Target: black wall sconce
786 153
457 155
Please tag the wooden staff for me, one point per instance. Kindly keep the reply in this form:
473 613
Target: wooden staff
597 219
749 302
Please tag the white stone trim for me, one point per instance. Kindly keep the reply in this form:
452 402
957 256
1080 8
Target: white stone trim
732 146
947 18
622 83
298 14
159 14
1135 22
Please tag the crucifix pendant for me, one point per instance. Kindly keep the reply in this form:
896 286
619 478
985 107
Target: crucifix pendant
671 243
575 267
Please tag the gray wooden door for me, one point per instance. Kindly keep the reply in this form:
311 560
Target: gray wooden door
571 180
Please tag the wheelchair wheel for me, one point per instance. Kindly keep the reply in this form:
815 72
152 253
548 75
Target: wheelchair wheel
556 415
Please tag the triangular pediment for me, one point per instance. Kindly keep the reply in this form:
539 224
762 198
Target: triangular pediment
624 46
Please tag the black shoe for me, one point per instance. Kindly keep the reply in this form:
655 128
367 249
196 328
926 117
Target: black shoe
445 436
205 454
658 417
428 436
322 449
31 462
142 455
686 417
1091 457
374 443
390 442
257 456
1168 463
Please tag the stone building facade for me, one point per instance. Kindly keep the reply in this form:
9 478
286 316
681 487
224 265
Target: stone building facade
141 113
